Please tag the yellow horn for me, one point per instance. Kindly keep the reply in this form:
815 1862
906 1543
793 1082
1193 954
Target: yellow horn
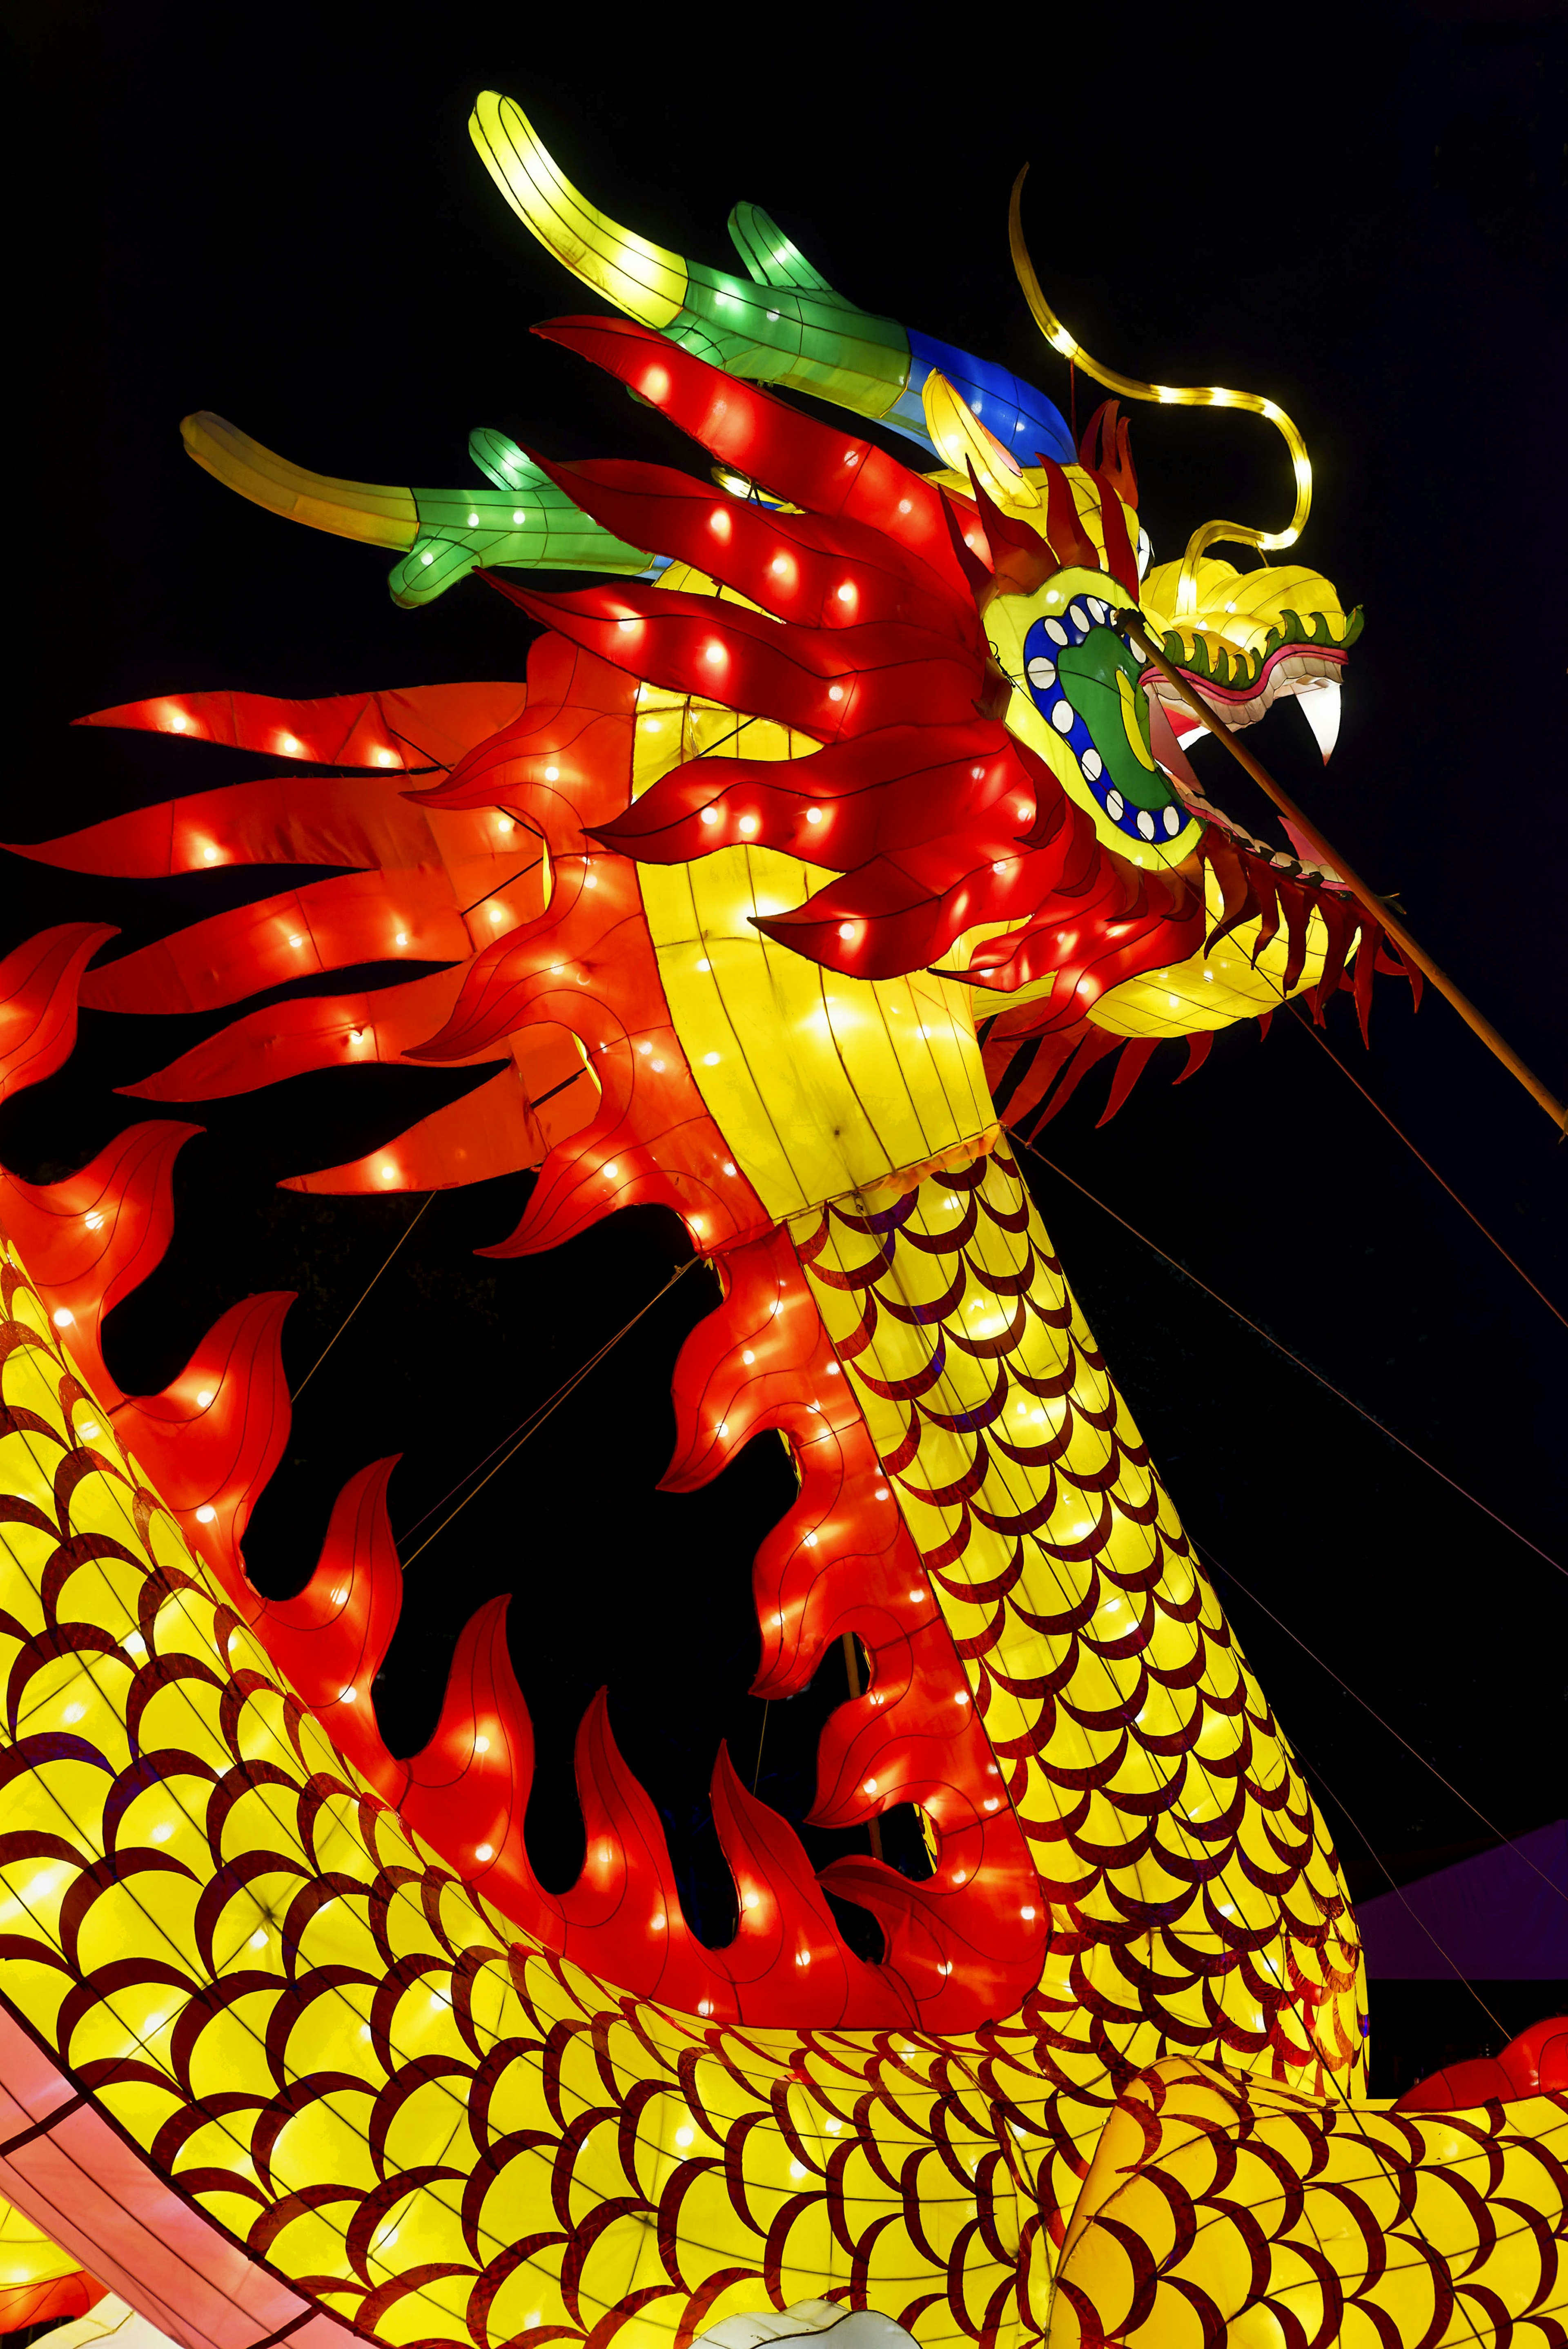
1171 396
959 434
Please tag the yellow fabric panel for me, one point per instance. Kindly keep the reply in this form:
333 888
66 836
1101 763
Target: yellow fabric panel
1211 989
368 511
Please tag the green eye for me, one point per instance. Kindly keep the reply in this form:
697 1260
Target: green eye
1085 682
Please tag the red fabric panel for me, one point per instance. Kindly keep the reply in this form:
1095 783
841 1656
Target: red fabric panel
818 466
330 1639
55 2302
353 918
90 1240
492 1130
283 820
39 982
315 1031
216 1456
410 727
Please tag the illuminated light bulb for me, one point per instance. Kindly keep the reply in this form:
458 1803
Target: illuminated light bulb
871 1785
812 1538
481 1745
88 1429
846 594
749 824
904 506
914 1598
658 1067
710 815
813 815
62 1317
206 1514
960 1696
1002 868
704 2006
991 1802
713 652
518 514
703 964
644 1048
503 823
656 1923
484 1851
473 522
162 1831
387 758
835 693
1028 1915
612 1170
402 938
553 774
850 458
427 556
290 744
882 1492
73 1712
259 1937
728 1166
749 1900
846 929
686 2136
496 914
203 1398
1052 596
796 2169
211 854
296 940
179 722
723 1427
388 1174
93 1221
709 1060
626 624
959 1875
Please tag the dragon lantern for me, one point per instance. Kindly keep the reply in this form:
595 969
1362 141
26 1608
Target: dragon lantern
829 843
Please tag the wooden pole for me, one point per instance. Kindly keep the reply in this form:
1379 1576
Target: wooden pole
1499 1045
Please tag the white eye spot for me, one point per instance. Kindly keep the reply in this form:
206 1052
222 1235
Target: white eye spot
1115 806
1062 717
1146 823
1042 673
1093 765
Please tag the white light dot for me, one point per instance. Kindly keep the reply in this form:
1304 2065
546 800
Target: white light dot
206 1514
73 1712
518 514
835 693
846 929
612 1170
882 1492
1028 1915
871 1785
713 652
503 823
86 1431
710 815
749 1900
813 815
846 594
62 1317
749 824
685 2135
796 2169
402 938
296 940
388 1173
710 1059
203 1398
259 1937
903 506
179 722
349 1696
484 1851
162 1831
728 1166
723 1427
427 557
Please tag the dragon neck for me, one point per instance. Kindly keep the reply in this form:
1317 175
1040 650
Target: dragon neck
1192 1896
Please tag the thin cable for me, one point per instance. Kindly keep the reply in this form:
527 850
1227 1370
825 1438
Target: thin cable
1475 1813
560 1395
1260 1331
538 1418
1324 1046
358 1302
1426 1929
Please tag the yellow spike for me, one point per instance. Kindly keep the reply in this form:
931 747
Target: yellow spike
1168 396
959 435
368 511
642 279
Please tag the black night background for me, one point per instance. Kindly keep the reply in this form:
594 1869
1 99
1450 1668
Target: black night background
278 215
